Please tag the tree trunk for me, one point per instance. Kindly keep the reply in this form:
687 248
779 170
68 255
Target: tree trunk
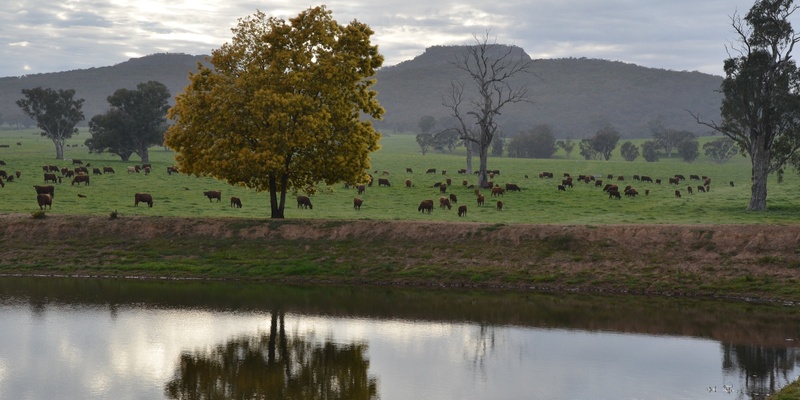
59 148
276 209
483 181
145 155
760 158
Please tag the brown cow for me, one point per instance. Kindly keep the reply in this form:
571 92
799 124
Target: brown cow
44 201
357 203
431 171
674 181
689 189
425 205
409 170
75 161
172 169
80 178
408 183
108 170
304 202
464 183
383 182
731 183
213 194
499 205
236 202
678 194
598 182
497 191
96 171
443 188
50 177
453 198
701 188
49 189
511 187
562 188
445 202
481 200
142 198
462 211
614 193
361 189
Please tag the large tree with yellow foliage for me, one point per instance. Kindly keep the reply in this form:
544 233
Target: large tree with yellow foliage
280 107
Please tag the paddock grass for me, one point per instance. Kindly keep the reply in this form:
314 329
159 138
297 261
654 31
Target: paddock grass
539 201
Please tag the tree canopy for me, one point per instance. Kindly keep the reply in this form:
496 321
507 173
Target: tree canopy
720 150
280 108
761 104
135 122
538 142
629 151
56 113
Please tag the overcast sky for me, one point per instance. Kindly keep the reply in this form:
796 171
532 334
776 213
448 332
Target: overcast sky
39 36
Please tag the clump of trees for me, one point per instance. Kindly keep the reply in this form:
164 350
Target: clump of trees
602 144
538 142
720 150
629 151
135 122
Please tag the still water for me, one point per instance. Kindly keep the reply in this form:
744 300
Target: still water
127 339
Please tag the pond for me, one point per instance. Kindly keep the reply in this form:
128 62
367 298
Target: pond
130 339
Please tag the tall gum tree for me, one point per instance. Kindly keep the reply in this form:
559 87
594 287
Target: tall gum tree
56 113
280 108
491 69
761 93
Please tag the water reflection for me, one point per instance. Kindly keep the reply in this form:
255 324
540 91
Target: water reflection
98 339
274 366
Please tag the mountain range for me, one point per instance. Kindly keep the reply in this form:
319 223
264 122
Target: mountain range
575 96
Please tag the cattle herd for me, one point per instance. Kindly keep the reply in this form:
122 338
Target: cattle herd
615 187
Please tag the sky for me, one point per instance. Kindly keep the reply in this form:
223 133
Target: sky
40 36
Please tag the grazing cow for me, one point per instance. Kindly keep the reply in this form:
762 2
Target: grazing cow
636 178
689 189
409 171
614 193
562 188
96 171
681 177
49 189
83 196
108 170
361 189
567 183
213 194
462 211
481 200
678 194
357 203
147 170
425 205
431 171
449 182
462 171
499 205
3 174
50 177
701 188
511 187
44 200
658 181
598 182
620 178
694 177
647 192
674 181
132 170
385 173
408 183
142 198
464 183
731 183
18 174
445 202
444 172
546 175
69 174
707 182
80 178
453 198
383 182
75 161
236 202
497 191
172 169
52 168
443 188
631 192
304 202
84 170
645 178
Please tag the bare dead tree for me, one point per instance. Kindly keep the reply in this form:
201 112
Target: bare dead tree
491 68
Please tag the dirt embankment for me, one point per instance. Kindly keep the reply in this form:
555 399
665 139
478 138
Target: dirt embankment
759 261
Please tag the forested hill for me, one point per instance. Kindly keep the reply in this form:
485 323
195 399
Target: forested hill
96 84
576 96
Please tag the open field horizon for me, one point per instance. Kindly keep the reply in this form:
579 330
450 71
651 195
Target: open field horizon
538 202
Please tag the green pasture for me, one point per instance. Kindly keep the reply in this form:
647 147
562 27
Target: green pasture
539 201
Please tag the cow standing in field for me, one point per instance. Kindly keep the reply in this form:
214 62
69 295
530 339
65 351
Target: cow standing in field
462 211
425 205
357 203
80 178
213 194
142 198
304 202
383 182
236 202
45 201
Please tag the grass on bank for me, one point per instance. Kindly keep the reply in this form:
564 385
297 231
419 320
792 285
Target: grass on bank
539 201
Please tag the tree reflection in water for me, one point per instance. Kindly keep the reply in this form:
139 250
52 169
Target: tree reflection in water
764 369
272 366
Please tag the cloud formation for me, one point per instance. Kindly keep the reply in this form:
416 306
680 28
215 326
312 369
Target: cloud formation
57 35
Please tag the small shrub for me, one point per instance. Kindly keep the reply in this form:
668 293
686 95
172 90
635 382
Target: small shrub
114 214
38 214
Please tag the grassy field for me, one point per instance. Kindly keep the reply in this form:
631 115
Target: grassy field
539 201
